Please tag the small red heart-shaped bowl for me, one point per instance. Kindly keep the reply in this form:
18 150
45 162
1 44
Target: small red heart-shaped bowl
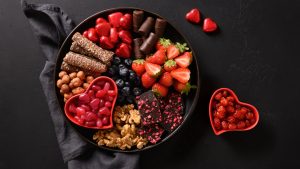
76 97
231 93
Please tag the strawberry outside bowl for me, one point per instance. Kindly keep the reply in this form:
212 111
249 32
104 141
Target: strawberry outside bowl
213 121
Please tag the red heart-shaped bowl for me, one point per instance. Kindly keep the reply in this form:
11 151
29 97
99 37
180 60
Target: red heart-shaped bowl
75 101
230 116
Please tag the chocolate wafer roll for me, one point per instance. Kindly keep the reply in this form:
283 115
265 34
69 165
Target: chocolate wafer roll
84 62
146 27
92 49
149 43
160 26
137 19
69 68
137 42
77 49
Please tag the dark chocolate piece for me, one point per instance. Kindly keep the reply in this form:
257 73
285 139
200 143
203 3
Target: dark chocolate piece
149 43
146 27
136 46
152 133
160 26
137 19
149 108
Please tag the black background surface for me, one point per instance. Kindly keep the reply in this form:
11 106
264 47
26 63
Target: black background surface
256 53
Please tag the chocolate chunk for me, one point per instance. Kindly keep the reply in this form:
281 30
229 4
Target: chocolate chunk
137 19
146 27
160 26
149 43
149 108
136 46
152 133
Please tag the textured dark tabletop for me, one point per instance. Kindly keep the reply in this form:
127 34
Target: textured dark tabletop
256 54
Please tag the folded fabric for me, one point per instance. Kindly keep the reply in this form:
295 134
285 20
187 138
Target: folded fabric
51 25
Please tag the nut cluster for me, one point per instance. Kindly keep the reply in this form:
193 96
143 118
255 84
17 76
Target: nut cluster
73 83
124 135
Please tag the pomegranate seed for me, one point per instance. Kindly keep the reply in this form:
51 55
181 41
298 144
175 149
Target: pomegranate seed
220 115
101 104
101 93
99 123
72 108
231 126
96 87
230 98
83 118
80 111
108 104
90 123
91 116
91 93
110 98
105 121
241 125
86 107
224 125
94 103
106 86
104 111
111 93
84 98
100 83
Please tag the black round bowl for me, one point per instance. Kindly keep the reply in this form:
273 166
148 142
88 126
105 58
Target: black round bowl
172 33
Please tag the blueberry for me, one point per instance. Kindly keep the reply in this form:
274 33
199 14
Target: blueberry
127 84
137 81
116 68
120 83
132 76
128 62
125 91
130 99
136 91
120 99
122 66
111 71
116 61
123 71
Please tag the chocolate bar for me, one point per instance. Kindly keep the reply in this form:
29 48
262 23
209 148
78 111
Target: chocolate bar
92 49
149 43
146 27
136 48
152 133
160 26
137 19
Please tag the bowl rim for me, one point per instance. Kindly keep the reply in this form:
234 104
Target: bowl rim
188 113
254 109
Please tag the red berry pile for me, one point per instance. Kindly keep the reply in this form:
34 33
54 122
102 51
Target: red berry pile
93 108
113 34
228 114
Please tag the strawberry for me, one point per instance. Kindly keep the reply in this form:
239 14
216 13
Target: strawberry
138 66
160 90
147 80
193 16
123 50
184 60
125 21
175 50
114 19
170 65
181 74
103 29
125 36
159 57
166 79
209 25
100 20
183 88
114 35
153 70
163 43
106 43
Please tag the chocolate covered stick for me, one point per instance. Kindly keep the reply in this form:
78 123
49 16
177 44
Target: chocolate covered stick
92 49
146 27
149 43
77 49
69 68
160 26
137 19
136 48
84 62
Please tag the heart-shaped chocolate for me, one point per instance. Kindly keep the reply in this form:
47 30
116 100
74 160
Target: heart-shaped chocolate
227 113
94 108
